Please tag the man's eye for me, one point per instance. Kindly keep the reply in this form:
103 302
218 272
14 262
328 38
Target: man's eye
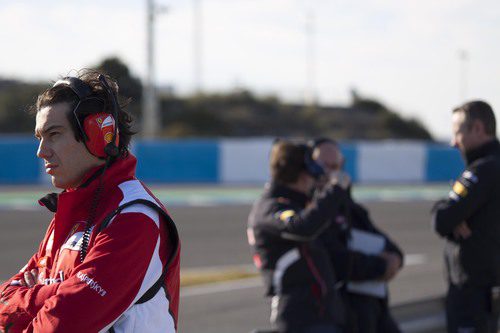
52 134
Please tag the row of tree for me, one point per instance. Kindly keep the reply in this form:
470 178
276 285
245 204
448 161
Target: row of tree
238 113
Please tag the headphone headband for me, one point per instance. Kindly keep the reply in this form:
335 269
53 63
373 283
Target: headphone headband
80 88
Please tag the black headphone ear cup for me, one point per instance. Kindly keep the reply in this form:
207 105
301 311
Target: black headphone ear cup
312 167
111 150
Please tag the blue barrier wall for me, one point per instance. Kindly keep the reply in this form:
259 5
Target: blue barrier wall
19 164
246 161
350 153
443 163
177 161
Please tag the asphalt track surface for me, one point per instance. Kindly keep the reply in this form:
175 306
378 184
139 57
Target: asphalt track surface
215 236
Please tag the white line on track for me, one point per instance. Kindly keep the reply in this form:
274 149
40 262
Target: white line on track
415 259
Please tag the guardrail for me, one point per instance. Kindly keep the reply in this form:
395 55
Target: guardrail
230 161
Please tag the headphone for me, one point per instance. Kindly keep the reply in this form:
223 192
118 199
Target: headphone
312 167
99 130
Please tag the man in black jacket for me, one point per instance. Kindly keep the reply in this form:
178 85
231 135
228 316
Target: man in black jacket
364 270
283 230
469 220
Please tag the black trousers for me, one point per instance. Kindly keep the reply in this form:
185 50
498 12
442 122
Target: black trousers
301 312
368 314
468 310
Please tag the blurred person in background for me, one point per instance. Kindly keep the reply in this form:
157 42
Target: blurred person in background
283 230
469 220
110 257
363 257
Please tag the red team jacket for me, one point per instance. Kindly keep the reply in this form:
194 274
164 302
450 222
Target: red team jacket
123 261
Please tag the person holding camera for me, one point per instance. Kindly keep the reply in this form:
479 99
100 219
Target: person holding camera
283 230
364 258
469 220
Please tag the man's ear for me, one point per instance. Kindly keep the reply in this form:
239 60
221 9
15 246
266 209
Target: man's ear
478 127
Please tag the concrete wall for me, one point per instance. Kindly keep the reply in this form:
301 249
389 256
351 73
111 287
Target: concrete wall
391 162
232 161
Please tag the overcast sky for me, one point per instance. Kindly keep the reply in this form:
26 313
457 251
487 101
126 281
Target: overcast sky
404 53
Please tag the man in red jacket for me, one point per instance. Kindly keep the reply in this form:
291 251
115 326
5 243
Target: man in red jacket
109 260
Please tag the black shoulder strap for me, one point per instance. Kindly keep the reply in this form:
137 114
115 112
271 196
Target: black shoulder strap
172 233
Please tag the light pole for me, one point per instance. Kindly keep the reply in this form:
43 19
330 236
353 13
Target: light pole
151 119
198 46
463 56
310 91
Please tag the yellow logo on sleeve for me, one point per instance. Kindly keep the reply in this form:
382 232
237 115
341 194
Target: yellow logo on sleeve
460 189
286 215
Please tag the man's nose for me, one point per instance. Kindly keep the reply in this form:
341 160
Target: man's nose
44 150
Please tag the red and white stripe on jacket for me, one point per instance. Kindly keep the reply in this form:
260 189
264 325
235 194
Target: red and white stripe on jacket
123 261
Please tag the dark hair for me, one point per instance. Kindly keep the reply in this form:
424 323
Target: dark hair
62 93
287 161
479 110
